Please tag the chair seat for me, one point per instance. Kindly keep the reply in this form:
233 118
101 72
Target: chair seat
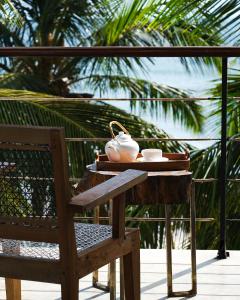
87 235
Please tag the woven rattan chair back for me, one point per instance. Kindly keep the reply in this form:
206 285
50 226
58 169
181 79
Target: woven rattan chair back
37 217
33 186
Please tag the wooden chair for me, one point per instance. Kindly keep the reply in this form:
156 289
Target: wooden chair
39 239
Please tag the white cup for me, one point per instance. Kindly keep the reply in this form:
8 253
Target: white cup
152 154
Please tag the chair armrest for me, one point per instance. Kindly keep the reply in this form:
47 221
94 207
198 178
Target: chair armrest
109 189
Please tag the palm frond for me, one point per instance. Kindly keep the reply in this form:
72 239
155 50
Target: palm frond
187 113
9 15
233 105
29 82
206 164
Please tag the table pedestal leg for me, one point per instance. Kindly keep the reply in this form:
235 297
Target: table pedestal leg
193 291
111 286
168 248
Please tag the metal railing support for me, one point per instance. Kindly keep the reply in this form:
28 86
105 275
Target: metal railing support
222 175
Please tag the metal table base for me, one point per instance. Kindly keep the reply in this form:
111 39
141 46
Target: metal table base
193 291
111 286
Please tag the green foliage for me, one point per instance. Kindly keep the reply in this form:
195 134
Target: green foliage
13 197
233 105
9 15
206 164
187 113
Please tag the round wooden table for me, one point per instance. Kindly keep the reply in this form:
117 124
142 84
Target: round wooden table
161 187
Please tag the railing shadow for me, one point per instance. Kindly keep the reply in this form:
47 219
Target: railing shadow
177 275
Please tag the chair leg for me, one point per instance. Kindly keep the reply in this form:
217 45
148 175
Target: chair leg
70 289
122 289
13 289
131 269
112 279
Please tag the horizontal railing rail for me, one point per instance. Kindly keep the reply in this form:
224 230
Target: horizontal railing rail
59 99
104 139
146 219
196 180
115 51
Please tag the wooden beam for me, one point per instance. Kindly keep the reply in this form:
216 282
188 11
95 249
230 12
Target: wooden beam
118 51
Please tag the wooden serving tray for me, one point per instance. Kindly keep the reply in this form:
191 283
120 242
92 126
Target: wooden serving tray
176 162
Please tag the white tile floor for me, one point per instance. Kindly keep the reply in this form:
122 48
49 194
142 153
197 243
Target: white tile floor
217 280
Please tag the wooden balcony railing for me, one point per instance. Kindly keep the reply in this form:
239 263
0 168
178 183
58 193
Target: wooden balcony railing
223 52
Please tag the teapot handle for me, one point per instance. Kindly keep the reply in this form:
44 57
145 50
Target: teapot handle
119 125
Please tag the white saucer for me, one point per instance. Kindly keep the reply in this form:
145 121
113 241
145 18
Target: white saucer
158 160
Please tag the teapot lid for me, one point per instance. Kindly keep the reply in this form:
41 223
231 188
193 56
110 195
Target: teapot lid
123 137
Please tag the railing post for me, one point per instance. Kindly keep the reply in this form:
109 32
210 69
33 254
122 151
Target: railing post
222 175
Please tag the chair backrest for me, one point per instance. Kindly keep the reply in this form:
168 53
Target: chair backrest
34 188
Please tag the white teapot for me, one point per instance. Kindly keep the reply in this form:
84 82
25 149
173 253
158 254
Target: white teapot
122 148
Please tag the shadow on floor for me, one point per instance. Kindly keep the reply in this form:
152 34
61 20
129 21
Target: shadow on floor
177 275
